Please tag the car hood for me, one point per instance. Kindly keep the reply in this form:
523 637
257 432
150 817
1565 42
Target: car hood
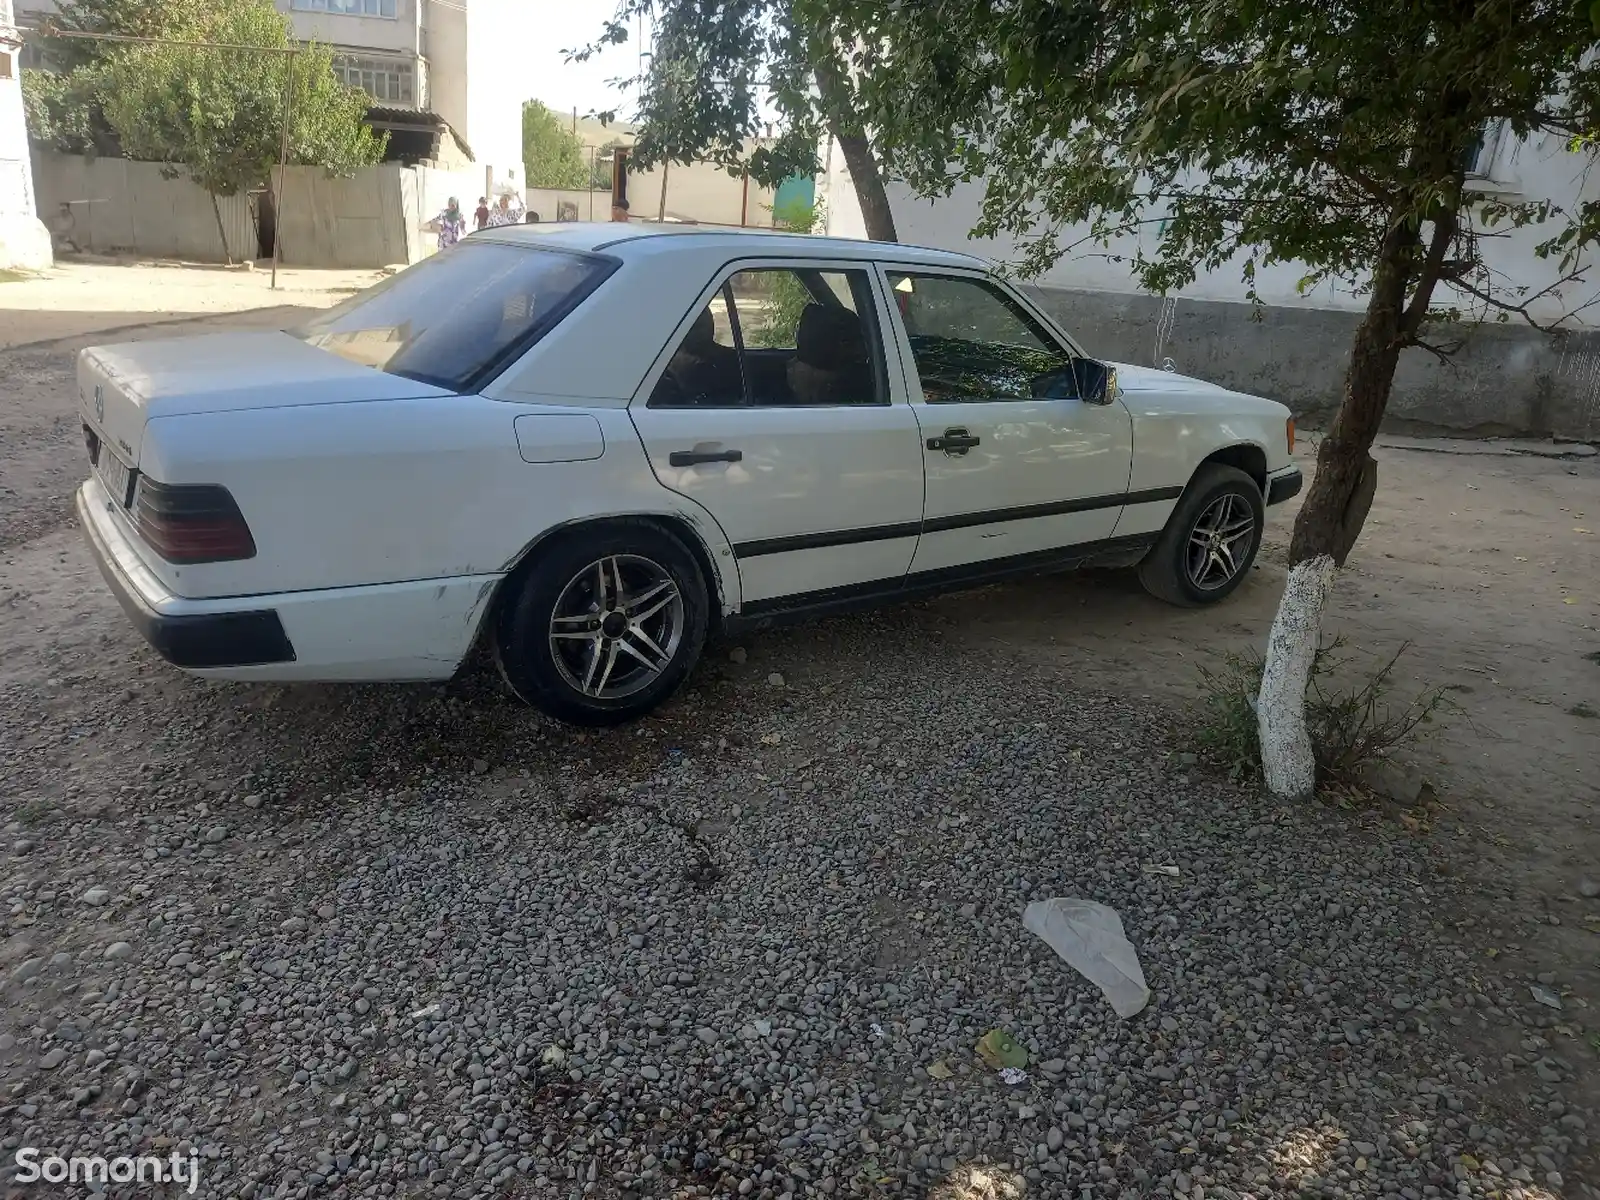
1140 384
1131 378
227 372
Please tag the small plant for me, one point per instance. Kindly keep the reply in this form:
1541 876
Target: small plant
1350 728
30 814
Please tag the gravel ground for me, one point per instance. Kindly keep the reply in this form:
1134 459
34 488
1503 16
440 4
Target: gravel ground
416 942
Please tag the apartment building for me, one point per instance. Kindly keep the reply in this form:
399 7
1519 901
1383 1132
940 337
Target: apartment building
458 59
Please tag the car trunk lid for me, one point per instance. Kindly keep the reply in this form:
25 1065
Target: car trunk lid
122 387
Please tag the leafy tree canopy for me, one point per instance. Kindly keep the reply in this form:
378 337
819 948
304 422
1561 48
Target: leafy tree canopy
720 70
1269 129
129 18
219 113
552 155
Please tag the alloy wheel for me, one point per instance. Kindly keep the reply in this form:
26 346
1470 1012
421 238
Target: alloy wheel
1219 543
616 626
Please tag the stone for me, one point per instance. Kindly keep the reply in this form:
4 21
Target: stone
119 950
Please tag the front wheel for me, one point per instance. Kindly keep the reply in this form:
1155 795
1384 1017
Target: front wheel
1210 540
603 625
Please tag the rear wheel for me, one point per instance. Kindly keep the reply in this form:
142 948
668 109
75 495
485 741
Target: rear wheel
604 624
1209 542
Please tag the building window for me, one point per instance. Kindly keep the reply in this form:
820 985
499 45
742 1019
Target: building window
1480 159
348 8
383 79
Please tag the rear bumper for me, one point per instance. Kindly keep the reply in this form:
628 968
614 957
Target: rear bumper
195 640
1283 485
411 630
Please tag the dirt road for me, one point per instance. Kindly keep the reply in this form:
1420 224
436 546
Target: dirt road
1487 565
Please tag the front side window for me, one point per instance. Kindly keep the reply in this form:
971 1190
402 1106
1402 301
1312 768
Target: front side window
971 341
778 337
458 314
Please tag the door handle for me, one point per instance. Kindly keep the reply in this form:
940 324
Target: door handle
688 458
954 441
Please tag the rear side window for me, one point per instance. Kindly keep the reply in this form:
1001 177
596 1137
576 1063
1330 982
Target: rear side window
778 337
459 315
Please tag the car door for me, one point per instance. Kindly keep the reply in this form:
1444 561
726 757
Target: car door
775 410
1016 464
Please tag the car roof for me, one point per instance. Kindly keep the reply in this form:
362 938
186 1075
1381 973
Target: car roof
637 241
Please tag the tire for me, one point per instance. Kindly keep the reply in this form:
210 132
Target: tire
562 653
1176 570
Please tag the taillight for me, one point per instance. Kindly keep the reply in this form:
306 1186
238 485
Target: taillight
1289 433
191 522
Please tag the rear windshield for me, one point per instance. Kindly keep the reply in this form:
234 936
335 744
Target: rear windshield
457 316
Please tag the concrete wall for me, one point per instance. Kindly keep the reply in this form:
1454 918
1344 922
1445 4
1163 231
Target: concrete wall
121 205
328 221
375 218
699 192
1507 379
592 206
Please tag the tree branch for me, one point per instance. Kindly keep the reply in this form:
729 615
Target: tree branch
1521 310
1444 231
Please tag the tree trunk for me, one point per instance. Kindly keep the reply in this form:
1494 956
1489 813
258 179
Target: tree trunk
864 173
1287 760
848 131
1341 490
222 234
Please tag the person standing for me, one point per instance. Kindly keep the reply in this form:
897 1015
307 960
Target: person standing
480 215
505 213
452 224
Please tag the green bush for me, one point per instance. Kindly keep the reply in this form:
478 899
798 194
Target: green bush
1351 728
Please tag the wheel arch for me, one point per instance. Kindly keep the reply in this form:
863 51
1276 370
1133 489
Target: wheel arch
677 524
1244 456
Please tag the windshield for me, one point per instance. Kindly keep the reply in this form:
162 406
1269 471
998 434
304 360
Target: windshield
458 315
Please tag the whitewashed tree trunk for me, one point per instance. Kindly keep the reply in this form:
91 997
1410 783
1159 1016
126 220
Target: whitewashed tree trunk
1286 757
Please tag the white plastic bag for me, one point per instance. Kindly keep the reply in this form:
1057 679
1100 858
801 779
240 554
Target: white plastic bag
1089 939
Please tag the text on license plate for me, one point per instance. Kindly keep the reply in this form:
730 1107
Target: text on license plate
114 474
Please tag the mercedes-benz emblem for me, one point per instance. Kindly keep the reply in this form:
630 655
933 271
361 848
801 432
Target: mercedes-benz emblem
99 403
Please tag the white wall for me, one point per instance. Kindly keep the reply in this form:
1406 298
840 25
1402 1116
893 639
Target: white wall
24 242
1541 168
699 192
444 45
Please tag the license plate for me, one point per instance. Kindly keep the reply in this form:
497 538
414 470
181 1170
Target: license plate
115 474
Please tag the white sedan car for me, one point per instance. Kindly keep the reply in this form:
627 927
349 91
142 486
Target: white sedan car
596 445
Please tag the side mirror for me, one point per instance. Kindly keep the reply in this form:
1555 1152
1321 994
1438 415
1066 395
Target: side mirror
1097 383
